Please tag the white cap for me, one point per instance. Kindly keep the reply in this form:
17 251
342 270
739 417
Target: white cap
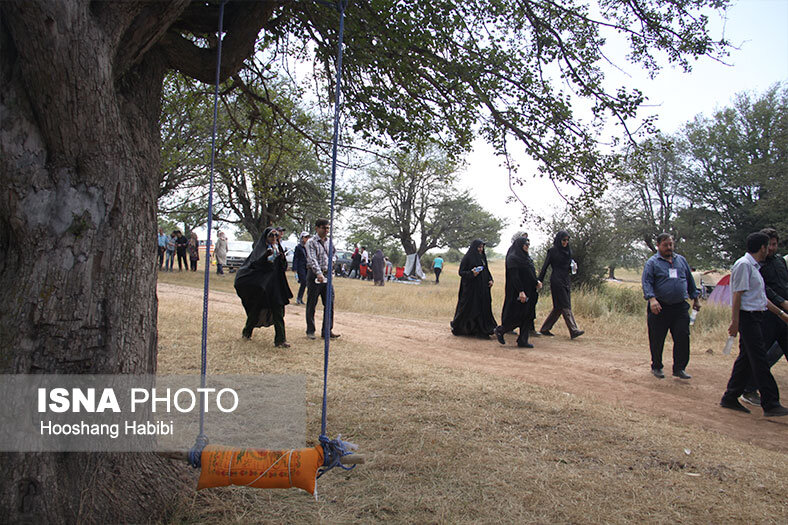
305 234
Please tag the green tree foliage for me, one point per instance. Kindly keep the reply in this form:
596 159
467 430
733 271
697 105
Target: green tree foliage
651 198
509 68
738 172
411 197
599 240
268 169
719 179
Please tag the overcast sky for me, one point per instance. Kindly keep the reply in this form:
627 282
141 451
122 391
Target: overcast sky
758 27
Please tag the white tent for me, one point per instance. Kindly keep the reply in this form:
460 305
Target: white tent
413 266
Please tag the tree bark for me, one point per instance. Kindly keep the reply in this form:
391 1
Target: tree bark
79 168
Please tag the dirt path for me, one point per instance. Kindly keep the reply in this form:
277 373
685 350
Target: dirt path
586 367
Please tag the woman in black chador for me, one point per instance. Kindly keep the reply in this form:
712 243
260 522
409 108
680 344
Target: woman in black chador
473 315
262 286
560 258
519 306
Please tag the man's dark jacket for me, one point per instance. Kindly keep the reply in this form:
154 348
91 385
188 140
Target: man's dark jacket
775 276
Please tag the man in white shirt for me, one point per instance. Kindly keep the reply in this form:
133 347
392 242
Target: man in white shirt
748 309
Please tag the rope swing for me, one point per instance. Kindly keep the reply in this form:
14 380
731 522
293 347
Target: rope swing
222 466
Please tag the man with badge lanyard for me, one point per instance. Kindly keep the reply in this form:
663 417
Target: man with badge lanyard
667 283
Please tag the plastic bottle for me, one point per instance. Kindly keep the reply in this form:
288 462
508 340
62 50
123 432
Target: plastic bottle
728 345
693 316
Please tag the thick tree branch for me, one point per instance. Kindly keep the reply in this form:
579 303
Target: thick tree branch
241 34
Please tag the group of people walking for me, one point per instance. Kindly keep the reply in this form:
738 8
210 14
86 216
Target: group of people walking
759 315
262 285
759 282
473 315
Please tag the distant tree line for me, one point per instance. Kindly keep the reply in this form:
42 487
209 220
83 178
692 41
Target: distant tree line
710 184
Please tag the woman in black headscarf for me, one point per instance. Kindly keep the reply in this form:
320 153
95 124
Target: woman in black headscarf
262 286
560 258
520 301
473 315
378 268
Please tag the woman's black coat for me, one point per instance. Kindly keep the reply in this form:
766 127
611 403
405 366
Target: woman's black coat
560 259
262 284
520 277
473 315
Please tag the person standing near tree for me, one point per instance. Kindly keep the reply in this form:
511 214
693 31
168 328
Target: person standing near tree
365 263
317 262
775 333
162 247
559 257
521 287
748 316
181 243
193 247
261 283
220 252
667 283
378 268
437 267
355 264
299 265
473 315
170 251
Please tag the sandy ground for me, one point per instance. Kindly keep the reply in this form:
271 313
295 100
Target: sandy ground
587 367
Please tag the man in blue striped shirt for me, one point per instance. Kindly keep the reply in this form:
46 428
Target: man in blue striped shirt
667 283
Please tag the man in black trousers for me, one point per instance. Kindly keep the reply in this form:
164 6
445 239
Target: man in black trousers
775 278
748 315
318 257
667 283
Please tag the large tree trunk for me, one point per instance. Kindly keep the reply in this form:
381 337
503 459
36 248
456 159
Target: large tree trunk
77 222
80 91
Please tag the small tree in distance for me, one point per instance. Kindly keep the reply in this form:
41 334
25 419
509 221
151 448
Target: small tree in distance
413 199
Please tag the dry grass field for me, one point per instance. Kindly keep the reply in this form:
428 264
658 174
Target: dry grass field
459 430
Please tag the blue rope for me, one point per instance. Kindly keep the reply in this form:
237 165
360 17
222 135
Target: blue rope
202 439
333 449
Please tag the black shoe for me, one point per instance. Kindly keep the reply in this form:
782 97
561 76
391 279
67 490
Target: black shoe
284 344
499 336
577 334
752 398
246 334
525 345
681 374
734 405
777 411
331 335
657 372
546 332
311 335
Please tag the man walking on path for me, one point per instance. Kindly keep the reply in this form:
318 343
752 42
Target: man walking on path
667 282
317 257
437 267
748 315
775 333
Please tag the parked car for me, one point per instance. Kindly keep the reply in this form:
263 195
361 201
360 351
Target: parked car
344 257
237 252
